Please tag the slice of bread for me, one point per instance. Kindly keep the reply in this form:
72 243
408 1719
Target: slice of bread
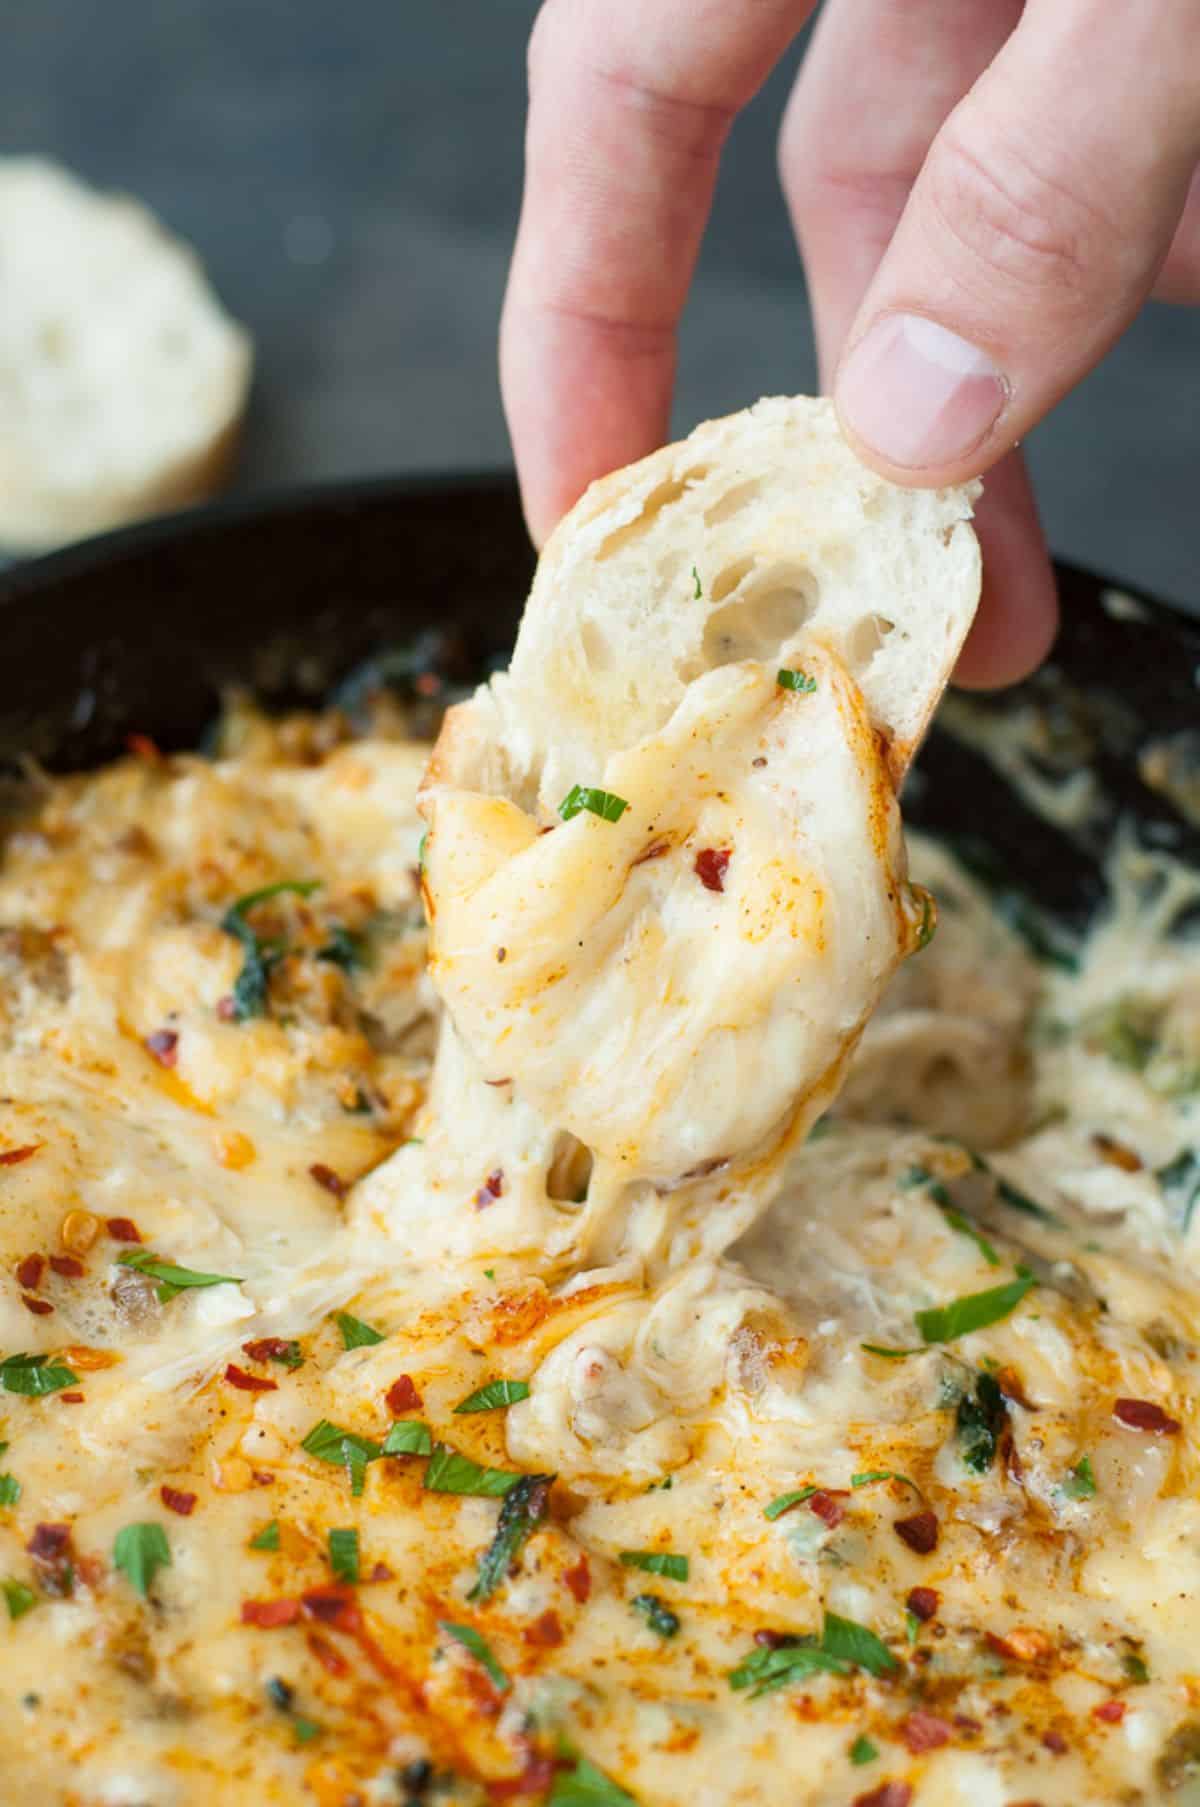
122 379
725 547
734 646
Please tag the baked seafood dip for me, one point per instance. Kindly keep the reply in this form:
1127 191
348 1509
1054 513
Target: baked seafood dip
533 1274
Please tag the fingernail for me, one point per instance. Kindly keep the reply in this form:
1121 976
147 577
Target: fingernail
917 395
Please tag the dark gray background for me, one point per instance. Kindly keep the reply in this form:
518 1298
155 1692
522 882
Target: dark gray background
350 171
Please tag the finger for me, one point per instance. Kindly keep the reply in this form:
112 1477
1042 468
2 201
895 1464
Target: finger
630 102
876 84
1033 234
1179 278
1017 618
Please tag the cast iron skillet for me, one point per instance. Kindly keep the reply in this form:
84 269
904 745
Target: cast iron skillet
138 631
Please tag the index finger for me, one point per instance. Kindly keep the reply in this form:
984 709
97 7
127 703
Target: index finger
630 102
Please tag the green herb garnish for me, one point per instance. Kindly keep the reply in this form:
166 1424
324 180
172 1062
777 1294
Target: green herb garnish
587 1786
796 680
765 1670
698 592
847 1639
1135 1668
356 1334
408 1437
784 1502
882 1474
450 1472
343 1554
344 949
267 1538
480 1649
890 1355
522 1511
10 1490
18 1598
657 1562
863 1751
496 1393
1180 1182
1080 1483
171 1278
140 1551
975 1311
305 1730
342 1449
657 1614
259 957
958 1220
605 804
980 1418
35 1375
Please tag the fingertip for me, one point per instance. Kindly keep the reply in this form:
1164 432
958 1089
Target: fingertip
1017 619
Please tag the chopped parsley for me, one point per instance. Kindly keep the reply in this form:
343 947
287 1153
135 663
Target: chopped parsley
1080 1483
408 1437
606 805
958 1220
844 1645
18 1598
35 1375
587 1786
855 1644
267 1538
356 1334
882 1474
171 1278
979 1420
480 1649
1180 1182
343 1555
975 1311
1136 1668
796 680
494 1394
140 1551
259 957
342 1449
657 1614
344 949
305 1730
657 1562
784 1502
10 1490
523 1509
863 1751
890 1355
450 1472
698 592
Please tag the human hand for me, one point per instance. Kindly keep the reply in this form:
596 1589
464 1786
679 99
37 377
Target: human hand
984 192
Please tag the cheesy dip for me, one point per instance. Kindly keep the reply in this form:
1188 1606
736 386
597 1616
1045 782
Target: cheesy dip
324 1484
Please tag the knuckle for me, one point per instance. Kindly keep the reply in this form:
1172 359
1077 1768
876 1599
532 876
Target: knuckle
1016 219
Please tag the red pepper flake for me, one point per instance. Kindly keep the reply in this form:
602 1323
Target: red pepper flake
381 1572
710 867
888 1794
331 1660
66 1267
262 1477
142 747
924 1732
334 1606
923 1603
1143 1415
30 1271
827 1504
774 1640
53 1559
164 1046
1112 1712
490 1191
402 1396
331 1181
267 1349
176 1501
269 1613
920 1531
226 1010
12 1157
69 1398
249 1383
1023 1644
536 1778
545 1632
1117 1154
1055 1742
578 1580
40 1308
122 1229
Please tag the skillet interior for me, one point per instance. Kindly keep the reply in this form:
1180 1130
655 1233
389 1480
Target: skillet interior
140 630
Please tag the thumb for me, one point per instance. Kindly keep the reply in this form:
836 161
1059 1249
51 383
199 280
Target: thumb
1032 235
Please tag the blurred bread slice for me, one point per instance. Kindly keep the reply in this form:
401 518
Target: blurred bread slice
122 379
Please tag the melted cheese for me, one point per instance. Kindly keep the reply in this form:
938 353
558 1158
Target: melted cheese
690 1353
